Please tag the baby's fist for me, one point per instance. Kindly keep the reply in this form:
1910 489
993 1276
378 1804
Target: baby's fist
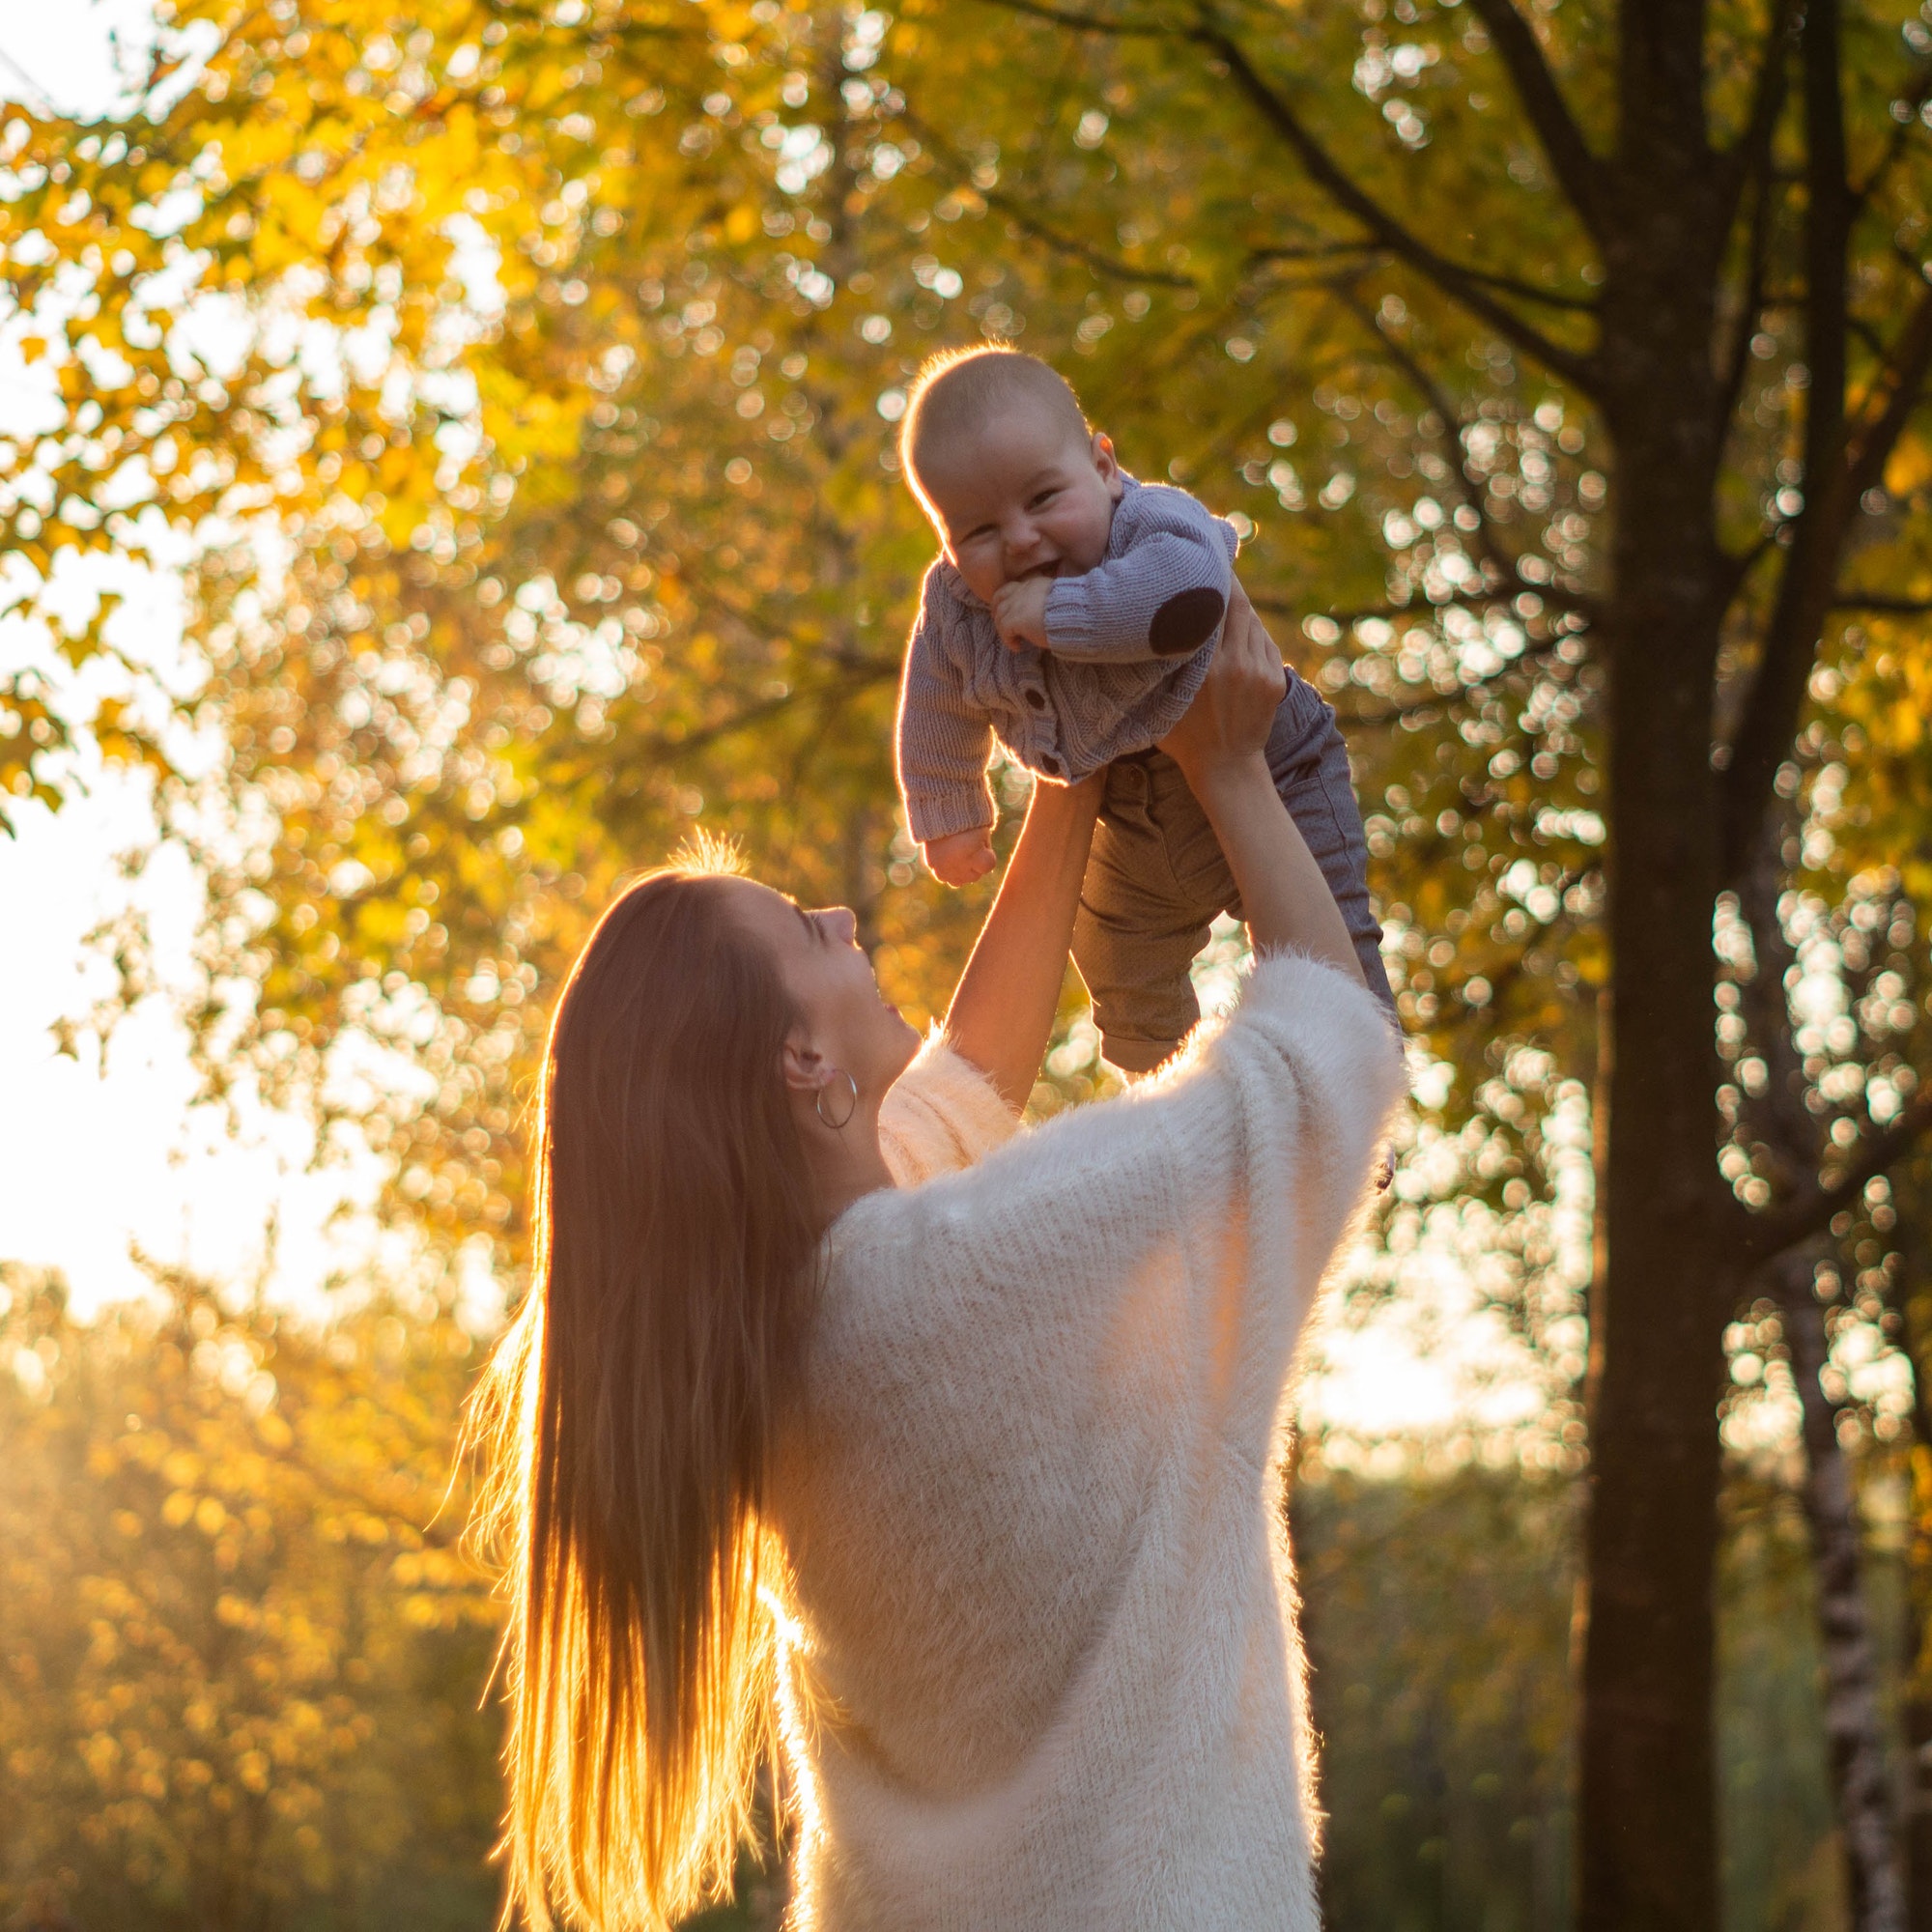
961 857
1019 612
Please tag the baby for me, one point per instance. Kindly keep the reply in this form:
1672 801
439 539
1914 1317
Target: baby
1072 614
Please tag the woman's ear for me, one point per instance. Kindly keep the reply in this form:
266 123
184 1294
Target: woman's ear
801 1064
1108 465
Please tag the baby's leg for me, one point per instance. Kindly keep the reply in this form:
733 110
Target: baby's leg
1141 922
1310 767
1159 876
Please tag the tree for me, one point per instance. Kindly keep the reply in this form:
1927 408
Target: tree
242 1651
1722 179
562 558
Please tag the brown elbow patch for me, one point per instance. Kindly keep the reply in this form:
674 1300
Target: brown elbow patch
1185 623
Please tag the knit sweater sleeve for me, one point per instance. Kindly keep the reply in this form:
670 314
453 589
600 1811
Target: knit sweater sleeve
943 740
1161 592
942 1115
1204 1206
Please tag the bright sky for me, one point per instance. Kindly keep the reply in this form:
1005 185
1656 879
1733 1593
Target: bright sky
68 50
99 1158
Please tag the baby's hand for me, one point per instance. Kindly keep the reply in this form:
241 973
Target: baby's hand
961 857
1019 612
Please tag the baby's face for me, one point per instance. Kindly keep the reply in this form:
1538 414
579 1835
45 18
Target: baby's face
1021 496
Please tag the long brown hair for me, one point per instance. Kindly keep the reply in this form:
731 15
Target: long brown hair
628 1413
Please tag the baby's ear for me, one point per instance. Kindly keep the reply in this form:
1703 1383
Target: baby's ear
1108 463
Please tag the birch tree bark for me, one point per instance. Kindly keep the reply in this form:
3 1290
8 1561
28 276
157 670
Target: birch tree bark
1913 1297
1854 1729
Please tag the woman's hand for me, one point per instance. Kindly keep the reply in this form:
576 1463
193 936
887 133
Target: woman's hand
1227 726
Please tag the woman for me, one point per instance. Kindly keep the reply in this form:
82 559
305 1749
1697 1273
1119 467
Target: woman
955 1446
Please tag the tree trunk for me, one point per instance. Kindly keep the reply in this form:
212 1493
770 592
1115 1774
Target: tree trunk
1916 1719
1648 1825
1647 1833
1854 1731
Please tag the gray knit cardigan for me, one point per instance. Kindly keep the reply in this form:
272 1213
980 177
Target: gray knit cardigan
1129 644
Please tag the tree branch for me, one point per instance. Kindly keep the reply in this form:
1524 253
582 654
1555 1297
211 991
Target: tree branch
1452 278
1528 292
1803 601
1810 570
1017 211
1909 363
1313 251
1489 548
1460 284
1577 168
1902 132
1750 157
1739 565
1360 718
1792 1136
1747 161
1096 258
853 676
1506 974
1526 659
1086 23
1280 606
1732 382
1505 284
1780 1228
1884 606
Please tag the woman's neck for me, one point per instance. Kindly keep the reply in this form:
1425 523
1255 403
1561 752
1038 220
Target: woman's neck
848 1166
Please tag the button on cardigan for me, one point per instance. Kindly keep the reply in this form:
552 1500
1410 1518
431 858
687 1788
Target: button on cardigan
1042 1671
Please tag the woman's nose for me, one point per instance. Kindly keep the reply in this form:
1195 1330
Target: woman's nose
842 923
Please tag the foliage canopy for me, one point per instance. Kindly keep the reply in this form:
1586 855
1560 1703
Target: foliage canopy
524 381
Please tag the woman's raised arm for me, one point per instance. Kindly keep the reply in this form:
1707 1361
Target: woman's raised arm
1002 1014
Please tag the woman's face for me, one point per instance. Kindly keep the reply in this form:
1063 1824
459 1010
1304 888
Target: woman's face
845 1019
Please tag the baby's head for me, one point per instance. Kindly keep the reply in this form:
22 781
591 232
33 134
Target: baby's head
1015 481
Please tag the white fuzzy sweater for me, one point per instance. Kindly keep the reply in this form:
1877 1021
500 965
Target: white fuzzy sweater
1044 1673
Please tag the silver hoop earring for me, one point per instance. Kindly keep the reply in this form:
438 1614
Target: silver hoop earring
837 1127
